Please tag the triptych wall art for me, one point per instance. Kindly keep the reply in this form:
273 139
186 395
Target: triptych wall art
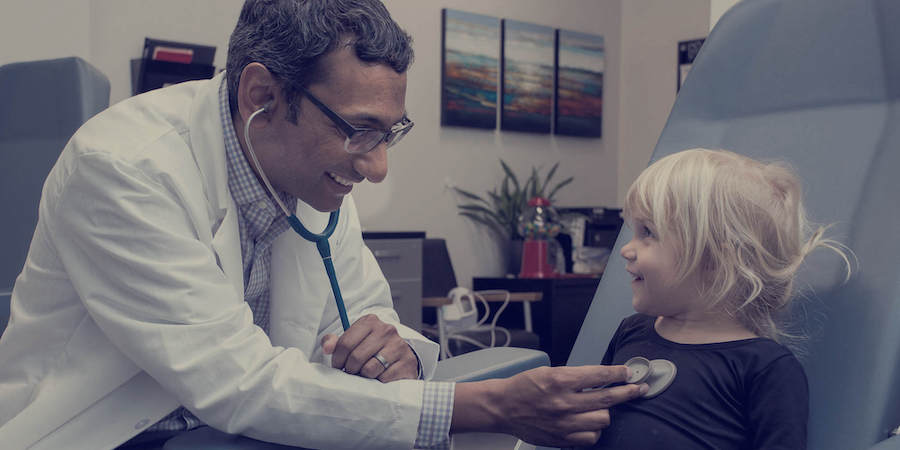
541 79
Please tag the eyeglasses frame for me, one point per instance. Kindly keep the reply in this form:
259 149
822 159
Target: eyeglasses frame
395 133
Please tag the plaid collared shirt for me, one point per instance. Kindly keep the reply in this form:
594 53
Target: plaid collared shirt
260 221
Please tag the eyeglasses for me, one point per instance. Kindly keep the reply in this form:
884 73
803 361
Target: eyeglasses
363 140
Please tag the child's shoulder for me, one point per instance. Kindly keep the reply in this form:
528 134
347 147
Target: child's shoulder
635 323
761 357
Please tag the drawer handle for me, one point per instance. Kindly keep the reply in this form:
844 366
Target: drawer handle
387 254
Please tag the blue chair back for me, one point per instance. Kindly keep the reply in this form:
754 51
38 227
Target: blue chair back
815 83
43 103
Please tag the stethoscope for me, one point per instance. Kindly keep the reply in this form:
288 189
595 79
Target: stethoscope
321 240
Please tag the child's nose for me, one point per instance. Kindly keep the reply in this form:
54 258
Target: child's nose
628 252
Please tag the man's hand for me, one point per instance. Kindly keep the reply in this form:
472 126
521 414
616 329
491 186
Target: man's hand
544 406
355 351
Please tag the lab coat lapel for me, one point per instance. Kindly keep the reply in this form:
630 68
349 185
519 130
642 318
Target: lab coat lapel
208 145
299 287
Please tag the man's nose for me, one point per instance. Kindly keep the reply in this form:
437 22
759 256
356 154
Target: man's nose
372 165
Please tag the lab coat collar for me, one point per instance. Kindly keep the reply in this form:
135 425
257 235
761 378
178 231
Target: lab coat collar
208 147
208 144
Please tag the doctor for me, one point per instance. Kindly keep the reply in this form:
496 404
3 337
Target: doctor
163 294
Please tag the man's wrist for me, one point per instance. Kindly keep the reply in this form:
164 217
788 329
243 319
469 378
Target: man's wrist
477 406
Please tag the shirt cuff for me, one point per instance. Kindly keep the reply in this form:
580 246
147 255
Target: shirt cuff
418 361
437 412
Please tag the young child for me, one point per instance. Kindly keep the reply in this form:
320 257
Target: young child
718 238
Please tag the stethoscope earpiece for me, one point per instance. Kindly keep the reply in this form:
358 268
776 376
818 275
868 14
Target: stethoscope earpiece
658 374
321 240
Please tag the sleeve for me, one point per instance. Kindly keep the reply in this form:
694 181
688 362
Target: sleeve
437 412
778 400
156 290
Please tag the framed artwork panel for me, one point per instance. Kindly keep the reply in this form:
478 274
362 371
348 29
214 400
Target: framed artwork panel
470 56
579 84
526 77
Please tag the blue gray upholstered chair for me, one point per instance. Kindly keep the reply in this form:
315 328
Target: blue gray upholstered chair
43 103
816 83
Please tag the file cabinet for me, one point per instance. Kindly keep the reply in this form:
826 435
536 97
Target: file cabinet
399 254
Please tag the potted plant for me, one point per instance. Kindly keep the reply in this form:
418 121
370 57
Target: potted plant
499 209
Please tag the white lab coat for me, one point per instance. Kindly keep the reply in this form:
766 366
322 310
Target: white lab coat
131 301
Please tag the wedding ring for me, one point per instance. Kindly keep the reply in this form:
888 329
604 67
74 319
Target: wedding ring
381 359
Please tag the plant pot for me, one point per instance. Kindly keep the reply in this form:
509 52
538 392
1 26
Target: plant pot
513 256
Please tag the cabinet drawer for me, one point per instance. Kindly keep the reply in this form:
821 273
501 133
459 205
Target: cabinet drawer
399 259
407 299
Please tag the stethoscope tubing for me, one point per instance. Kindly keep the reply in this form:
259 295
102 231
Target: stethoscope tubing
321 240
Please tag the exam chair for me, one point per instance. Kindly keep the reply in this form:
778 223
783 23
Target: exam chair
816 83
43 103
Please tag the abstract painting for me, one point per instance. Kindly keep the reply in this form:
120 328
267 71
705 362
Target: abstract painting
470 61
579 84
527 77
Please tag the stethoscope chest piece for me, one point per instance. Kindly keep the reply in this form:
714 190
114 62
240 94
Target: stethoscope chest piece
658 374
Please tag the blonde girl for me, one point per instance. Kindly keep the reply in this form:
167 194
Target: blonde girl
718 239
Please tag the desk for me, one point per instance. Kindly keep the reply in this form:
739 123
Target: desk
525 298
557 318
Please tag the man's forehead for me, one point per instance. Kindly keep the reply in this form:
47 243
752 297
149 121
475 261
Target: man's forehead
361 91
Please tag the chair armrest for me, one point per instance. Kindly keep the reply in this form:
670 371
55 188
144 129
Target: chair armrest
498 362
891 443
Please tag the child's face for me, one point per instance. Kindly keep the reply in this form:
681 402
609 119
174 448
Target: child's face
655 285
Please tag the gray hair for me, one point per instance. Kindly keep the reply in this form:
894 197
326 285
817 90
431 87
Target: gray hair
290 37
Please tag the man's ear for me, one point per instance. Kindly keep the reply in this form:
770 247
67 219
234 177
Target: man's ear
257 89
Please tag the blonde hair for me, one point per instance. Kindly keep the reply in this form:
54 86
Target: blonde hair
738 221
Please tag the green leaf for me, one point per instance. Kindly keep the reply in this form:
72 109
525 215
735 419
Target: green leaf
526 194
510 174
558 186
469 195
477 208
534 179
549 176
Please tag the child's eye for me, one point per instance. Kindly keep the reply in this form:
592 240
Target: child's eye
644 231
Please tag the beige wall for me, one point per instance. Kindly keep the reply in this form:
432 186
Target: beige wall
415 195
120 26
640 38
24 26
651 30
717 8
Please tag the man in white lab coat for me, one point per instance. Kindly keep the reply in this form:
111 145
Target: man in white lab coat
162 292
